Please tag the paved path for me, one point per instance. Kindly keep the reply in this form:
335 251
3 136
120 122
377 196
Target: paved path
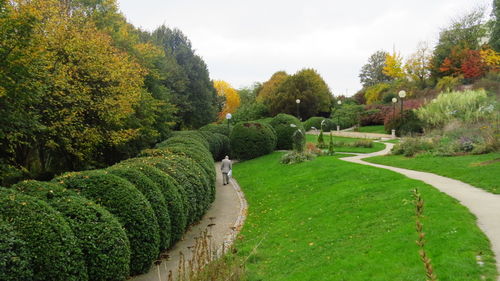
484 205
359 135
227 212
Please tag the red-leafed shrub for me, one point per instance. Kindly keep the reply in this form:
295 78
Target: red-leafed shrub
375 114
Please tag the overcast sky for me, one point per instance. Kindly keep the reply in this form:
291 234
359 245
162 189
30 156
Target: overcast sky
247 41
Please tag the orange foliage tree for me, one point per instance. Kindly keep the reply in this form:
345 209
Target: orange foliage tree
472 65
232 97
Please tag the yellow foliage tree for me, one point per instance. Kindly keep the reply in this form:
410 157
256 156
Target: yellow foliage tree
491 58
393 66
232 97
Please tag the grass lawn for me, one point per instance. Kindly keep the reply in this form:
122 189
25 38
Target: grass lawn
376 146
478 170
393 141
332 220
378 129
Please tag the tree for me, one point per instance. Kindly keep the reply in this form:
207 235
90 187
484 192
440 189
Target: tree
417 65
472 65
306 85
373 94
491 59
232 99
495 33
270 87
393 66
372 72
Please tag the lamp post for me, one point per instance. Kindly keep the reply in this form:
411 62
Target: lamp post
297 101
228 117
394 101
402 95
339 102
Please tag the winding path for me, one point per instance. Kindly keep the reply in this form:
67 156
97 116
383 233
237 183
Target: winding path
226 217
484 205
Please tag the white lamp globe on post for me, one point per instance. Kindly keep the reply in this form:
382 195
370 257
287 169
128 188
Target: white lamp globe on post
402 95
228 117
394 101
339 102
297 101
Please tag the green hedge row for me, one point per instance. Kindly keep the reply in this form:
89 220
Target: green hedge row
285 125
328 124
252 139
108 224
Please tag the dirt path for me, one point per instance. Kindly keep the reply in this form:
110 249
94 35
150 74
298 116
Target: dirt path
228 213
484 205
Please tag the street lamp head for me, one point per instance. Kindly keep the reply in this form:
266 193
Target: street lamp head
339 102
394 100
229 116
402 94
297 101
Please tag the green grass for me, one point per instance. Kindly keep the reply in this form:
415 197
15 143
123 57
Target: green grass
332 220
378 129
478 170
393 141
376 146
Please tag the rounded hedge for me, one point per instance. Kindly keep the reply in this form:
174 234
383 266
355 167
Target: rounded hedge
251 139
175 199
285 125
52 244
128 205
155 197
103 241
15 260
222 129
315 122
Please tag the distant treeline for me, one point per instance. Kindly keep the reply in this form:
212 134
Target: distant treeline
82 88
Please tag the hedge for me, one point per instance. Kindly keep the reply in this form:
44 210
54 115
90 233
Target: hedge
315 122
251 139
155 197
15 260
222 129
52 244
103 241
282 124
128 204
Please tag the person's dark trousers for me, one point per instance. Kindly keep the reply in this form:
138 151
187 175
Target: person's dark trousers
225 178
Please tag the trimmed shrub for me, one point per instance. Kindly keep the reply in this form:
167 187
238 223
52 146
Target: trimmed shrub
316 123
410 124
175 198
250 140
52 244
282 124
155 197
128 205
217 128
15 260
103 241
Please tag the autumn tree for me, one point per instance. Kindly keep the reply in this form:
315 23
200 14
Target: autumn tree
472 65
491 59
393 66
232 98
271 86
417 65
372 72
306 85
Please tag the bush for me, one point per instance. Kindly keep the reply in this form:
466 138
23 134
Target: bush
490 83
222 129
315 122
347 115
253 111
250 140
15 261
282 124
294 157
411 146
101 237
153 194
173 193
375 114
52 244
128 205
410 124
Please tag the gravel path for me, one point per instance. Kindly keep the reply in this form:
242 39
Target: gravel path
484 205
227 213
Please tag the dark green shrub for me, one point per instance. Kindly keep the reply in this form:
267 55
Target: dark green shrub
285 125
315 122
411 146
103 241
321 140
294 157
250 140
226 147
15 260
174 195
331 150
223 129
128 204
189 135
155 197
52 244
410 124
299 140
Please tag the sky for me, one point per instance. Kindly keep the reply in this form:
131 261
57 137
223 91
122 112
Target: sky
243 42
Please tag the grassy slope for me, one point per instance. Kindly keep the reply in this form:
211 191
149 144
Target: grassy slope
373 129
326 136
463 168
332 220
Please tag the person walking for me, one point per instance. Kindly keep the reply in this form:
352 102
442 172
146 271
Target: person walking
226 167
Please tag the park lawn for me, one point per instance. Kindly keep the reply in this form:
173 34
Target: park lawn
393 141
376 146
333 220
478 170
377 129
